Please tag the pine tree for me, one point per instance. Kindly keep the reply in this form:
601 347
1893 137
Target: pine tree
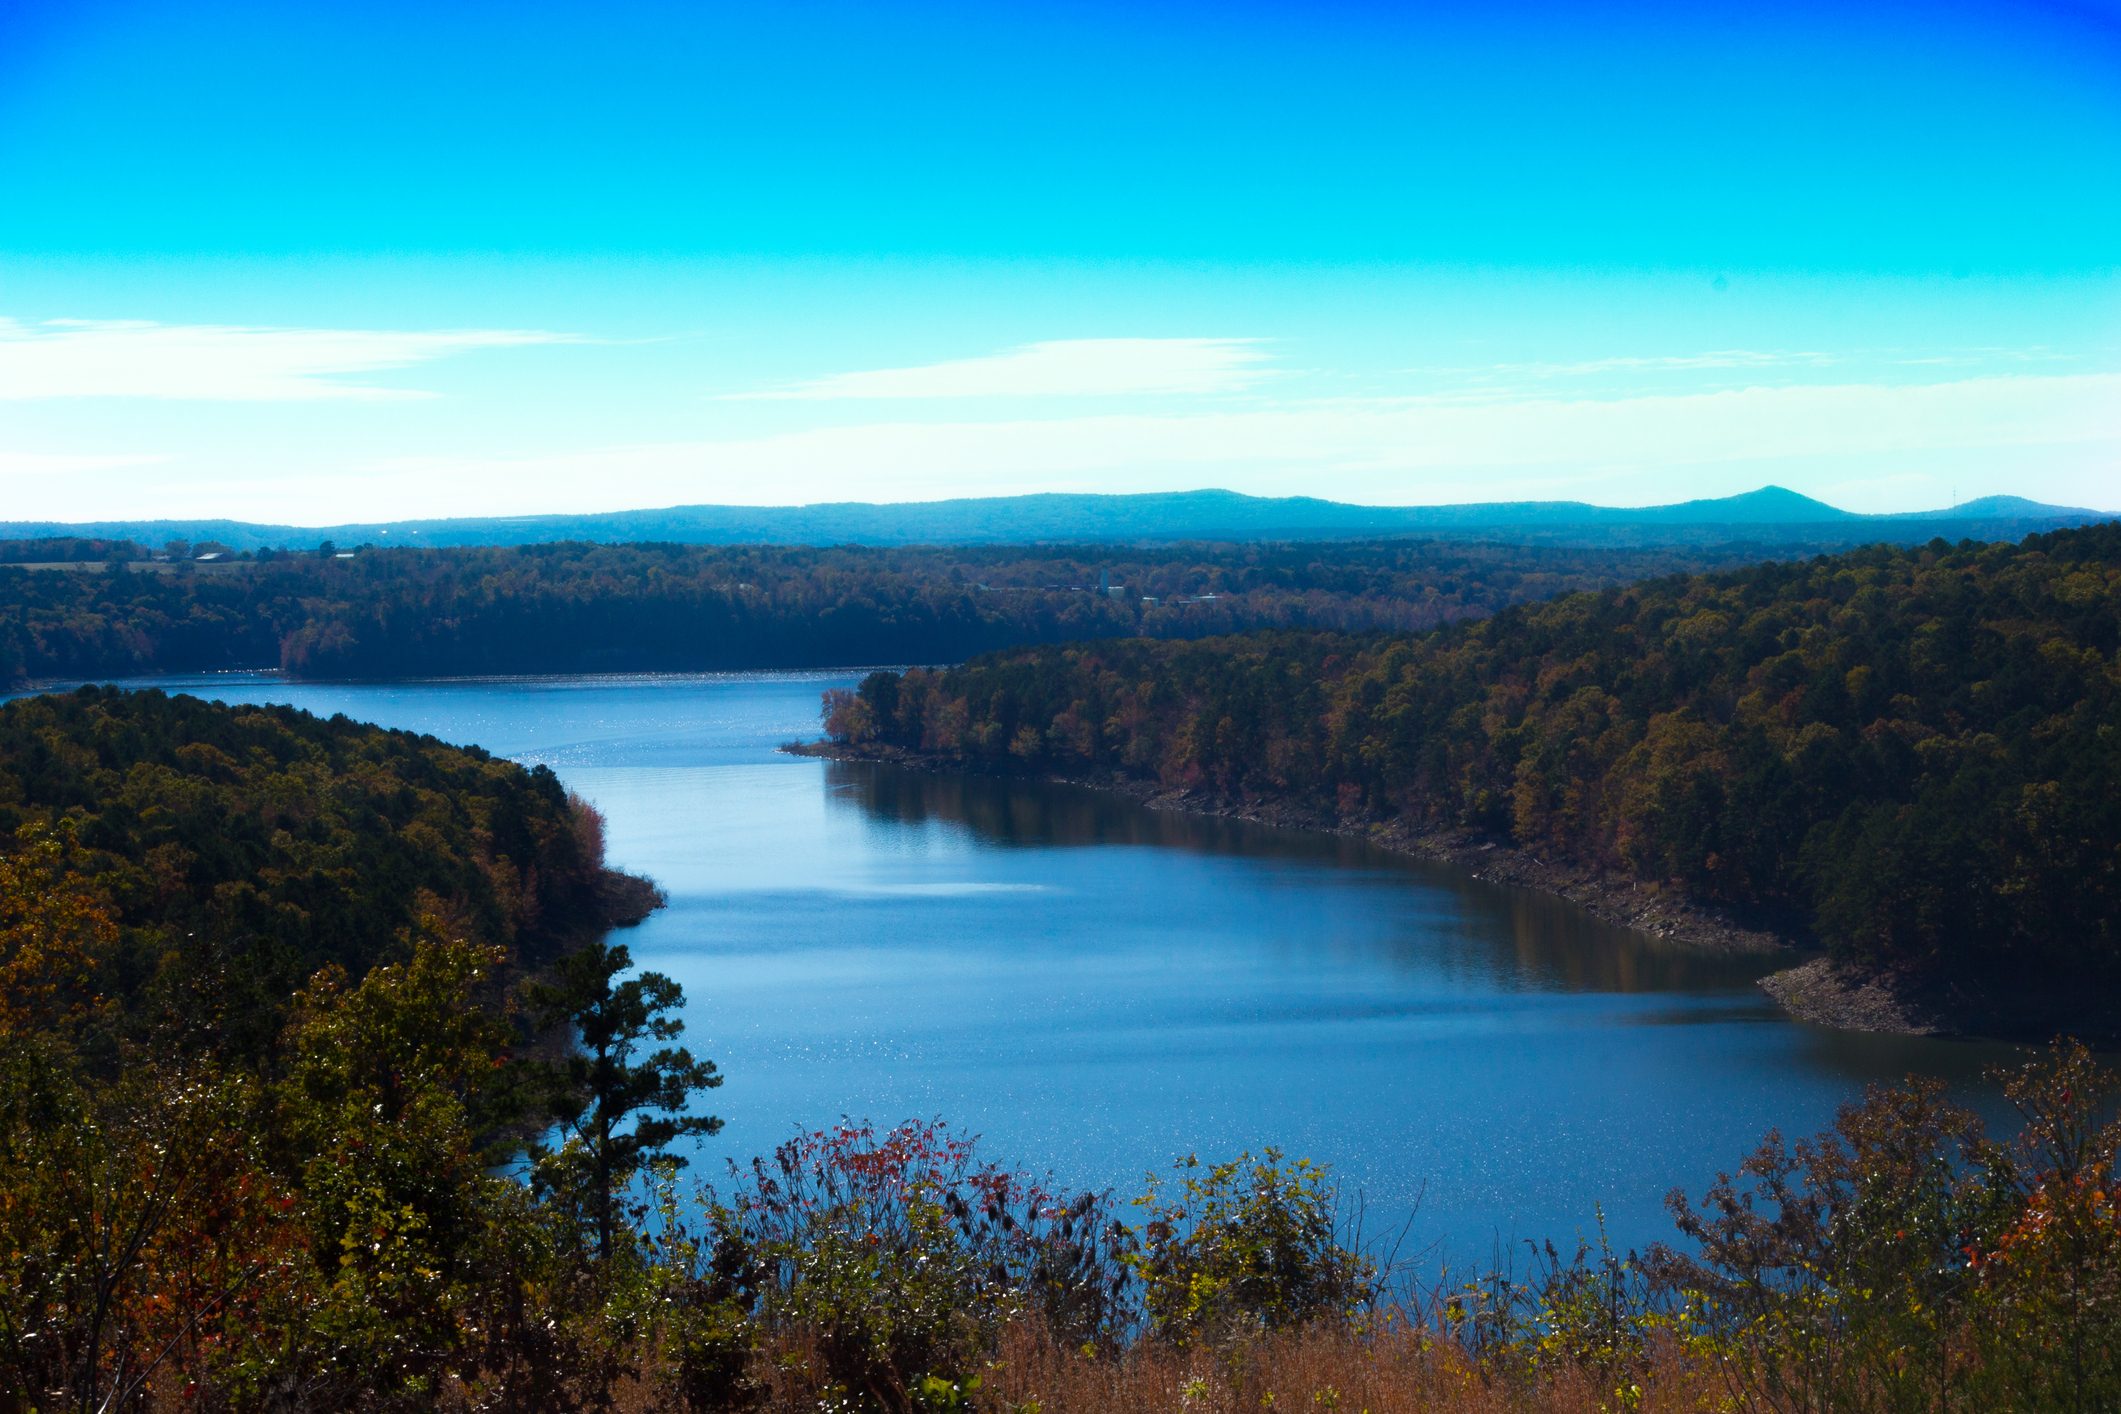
619 1105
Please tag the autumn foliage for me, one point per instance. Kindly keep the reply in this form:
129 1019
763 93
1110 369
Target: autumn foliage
1910 754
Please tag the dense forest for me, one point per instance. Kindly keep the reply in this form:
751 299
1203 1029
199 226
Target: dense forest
1914 754
602 608
228 855
437 1171
281 998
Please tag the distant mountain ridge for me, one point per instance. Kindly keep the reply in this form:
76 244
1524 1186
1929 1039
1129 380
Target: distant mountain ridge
1770 514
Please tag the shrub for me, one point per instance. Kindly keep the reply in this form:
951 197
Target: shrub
1907 1261
901 1255
1249 1243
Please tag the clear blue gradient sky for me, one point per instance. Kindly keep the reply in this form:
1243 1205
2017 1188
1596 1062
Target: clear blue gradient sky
326 262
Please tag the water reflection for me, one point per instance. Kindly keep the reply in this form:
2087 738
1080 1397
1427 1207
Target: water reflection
1448 921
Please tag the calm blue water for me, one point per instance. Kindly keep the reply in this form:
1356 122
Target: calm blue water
1098 989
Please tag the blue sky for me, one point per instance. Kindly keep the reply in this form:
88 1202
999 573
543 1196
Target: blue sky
327 262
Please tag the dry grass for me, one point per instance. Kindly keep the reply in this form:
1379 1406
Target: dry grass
1395 1370
1315 1369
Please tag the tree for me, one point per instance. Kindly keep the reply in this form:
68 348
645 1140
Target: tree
56 933
387 1082
619 1106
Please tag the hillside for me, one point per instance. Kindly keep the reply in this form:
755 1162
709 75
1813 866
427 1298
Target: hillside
1909 754
233 852
281 1001
1771 515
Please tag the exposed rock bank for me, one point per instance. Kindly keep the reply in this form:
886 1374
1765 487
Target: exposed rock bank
1832 994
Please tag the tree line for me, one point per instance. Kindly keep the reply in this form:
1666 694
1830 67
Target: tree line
1911 753
605 608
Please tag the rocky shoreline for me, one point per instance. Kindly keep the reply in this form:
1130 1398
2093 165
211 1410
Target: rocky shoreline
1811 989
1830 994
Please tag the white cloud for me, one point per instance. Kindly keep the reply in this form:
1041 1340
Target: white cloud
1416 450
80 358
2056 437
1057 368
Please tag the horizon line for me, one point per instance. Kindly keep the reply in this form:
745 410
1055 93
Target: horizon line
1197 491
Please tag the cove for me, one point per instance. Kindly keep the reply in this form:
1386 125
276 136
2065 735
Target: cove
1097 988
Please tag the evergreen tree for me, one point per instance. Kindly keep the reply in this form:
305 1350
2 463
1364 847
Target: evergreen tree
620 1106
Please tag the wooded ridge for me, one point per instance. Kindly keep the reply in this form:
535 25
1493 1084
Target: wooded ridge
1911 755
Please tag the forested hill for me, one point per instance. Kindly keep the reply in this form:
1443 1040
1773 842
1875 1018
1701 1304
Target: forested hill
1914 754
215 858
604 608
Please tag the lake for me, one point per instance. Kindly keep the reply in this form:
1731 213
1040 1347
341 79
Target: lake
1099 989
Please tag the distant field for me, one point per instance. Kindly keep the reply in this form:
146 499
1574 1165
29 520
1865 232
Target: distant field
97 566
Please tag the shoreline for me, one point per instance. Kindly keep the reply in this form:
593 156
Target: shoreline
1810 987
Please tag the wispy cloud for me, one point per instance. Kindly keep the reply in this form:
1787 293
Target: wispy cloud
1056 368
83 358
1416 450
